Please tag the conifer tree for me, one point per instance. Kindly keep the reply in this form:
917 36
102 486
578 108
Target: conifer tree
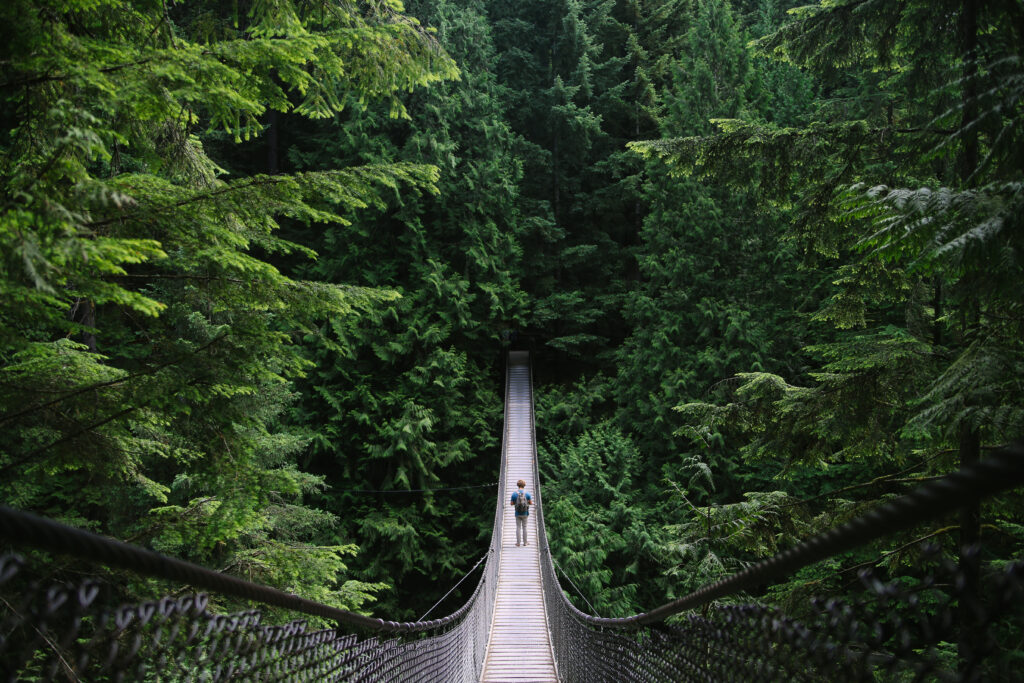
903 191
558 75
715 288
588 494
408 395
148 344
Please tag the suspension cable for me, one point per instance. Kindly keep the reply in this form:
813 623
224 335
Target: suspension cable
1000 471
25 528
482 558
578 591
449 488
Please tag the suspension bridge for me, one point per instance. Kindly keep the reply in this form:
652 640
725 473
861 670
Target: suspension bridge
518 624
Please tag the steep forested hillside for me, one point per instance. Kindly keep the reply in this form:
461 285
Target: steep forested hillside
824 312
150 341
258 259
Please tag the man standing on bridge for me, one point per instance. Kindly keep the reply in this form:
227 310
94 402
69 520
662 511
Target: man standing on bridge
521 501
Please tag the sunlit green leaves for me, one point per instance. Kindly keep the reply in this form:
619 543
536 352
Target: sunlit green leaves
120 230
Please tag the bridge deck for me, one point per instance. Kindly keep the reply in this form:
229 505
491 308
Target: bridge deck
519 648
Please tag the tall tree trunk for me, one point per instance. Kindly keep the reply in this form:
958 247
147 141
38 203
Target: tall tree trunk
970 564
556 199
83 311
968 161
970 440
272 142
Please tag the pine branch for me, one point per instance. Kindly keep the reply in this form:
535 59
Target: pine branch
931 131
910 544
183 276
194 508
28 82
113 382
884 479
259 181
64 439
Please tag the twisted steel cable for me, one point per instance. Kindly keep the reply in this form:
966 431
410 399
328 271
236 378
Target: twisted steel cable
47 632
605 647
1001 471
23 528
836 641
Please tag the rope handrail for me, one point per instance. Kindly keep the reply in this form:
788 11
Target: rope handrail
44 633
25 528
849 639
220 646
1002 470
724 642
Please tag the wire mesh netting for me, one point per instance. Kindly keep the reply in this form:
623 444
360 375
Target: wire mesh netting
943 621
65 632
78 632
940 623
53 631
891 632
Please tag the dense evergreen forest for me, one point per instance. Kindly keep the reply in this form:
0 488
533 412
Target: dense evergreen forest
258 258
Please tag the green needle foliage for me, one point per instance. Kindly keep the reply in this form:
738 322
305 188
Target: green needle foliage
148 341
257 260
589 497
906 189
407 397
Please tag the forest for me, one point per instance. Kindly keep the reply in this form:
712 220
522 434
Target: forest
259 261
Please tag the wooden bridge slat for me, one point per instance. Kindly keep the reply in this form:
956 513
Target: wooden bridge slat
519 646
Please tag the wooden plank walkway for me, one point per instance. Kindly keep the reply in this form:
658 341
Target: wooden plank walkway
519 648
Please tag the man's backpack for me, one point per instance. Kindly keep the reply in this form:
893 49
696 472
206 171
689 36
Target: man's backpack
522 504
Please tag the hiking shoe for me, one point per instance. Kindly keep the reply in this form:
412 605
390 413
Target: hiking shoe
517 545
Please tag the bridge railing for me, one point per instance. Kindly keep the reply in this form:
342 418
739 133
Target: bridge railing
73 631
943 629
889 633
